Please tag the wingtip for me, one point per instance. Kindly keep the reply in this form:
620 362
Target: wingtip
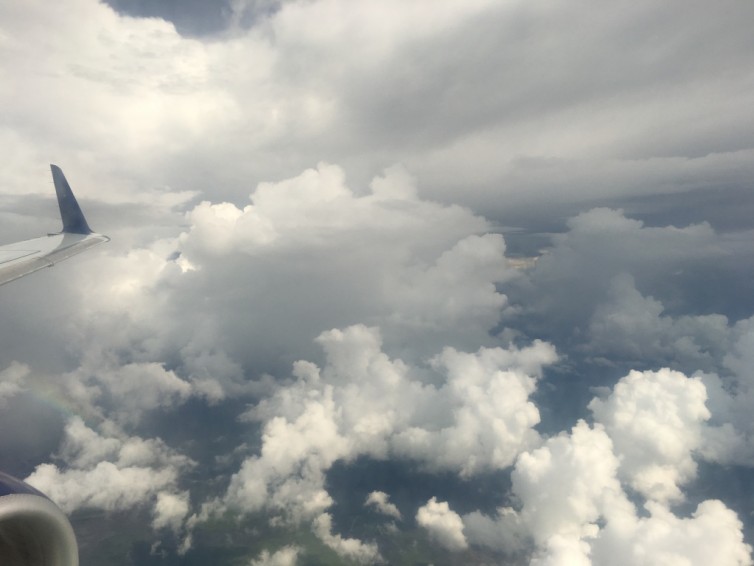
70 212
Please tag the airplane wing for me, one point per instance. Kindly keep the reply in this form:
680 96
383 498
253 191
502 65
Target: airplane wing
23 258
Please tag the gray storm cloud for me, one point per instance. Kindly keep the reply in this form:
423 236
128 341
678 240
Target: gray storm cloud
551 120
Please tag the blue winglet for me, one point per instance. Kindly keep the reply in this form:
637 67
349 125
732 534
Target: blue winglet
73 219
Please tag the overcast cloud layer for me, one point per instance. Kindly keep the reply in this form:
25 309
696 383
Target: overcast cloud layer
466 282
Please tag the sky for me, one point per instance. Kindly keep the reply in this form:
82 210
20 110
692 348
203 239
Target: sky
399 282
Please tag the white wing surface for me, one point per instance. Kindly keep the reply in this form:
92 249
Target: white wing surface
23 258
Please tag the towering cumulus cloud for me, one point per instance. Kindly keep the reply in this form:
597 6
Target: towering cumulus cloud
655 420
443 524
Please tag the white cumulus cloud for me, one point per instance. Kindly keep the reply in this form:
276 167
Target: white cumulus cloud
443 524
476 417
574 506
655 421
115 472
286 556
351 548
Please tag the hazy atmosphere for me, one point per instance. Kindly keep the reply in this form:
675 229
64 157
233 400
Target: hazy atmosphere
389 282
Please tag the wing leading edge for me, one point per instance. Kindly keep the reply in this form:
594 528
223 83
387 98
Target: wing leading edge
23 258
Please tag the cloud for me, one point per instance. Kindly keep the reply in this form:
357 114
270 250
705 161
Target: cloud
468 411
105 486
135 387
329 258
713 534
10 380
630 326
249 186
474 418
565 484
353 549
379 500
286 556
115 472
112 65
655 421
170 510
629 290
477 417
143 352
248 105
443 525
503 532
488 394
731 393
573 504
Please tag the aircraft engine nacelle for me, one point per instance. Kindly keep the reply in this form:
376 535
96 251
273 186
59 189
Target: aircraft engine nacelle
33 530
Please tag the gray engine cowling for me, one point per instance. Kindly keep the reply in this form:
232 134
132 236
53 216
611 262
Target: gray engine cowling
33 530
